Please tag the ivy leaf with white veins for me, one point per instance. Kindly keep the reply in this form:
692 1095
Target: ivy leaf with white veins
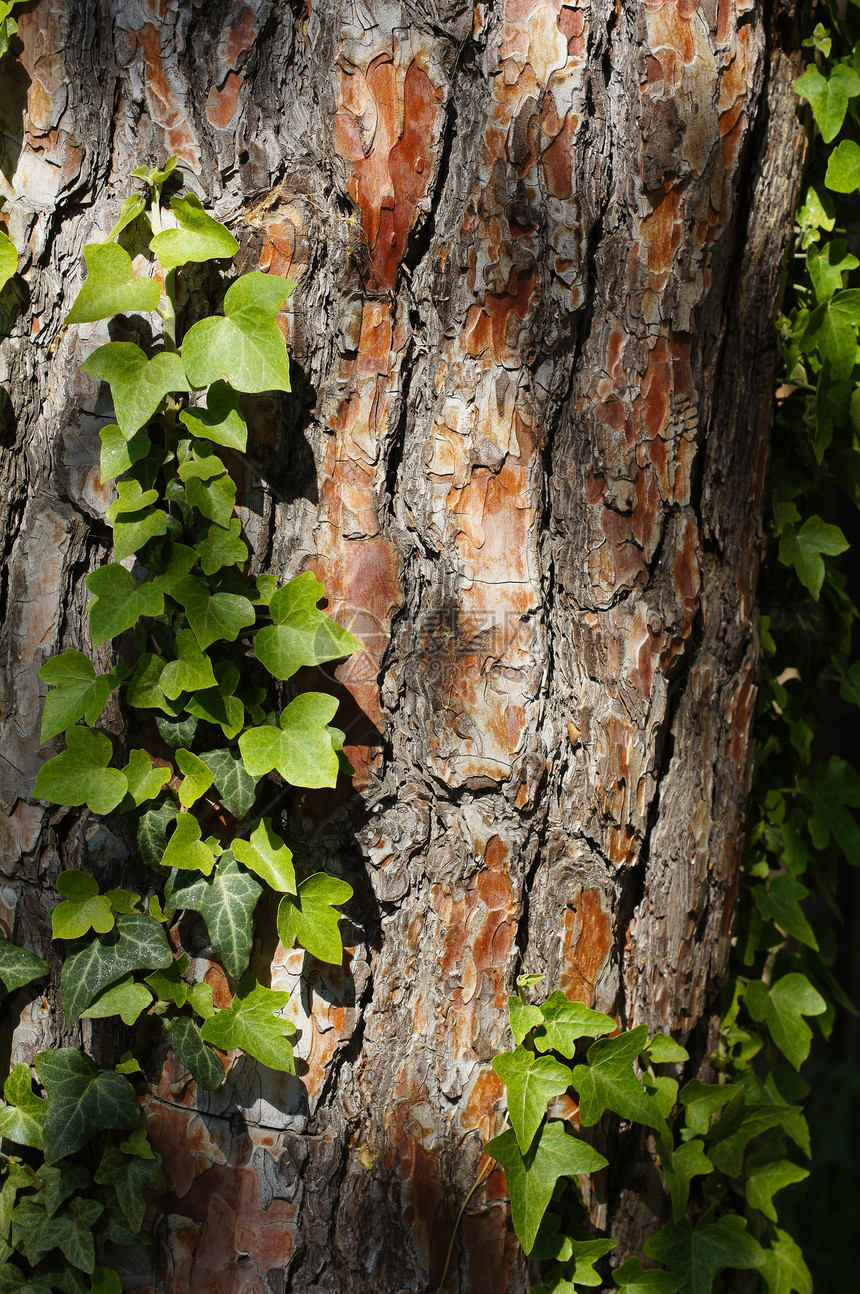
310 918
214 617
196 780
144 779
250 1024
235 785
301 634
110 288
133 1178
783 1269
221 547
698 1254
268 856
221 420
80 775
226 903
22 1118
138 385
304 748
152 832
565 1022
782 1007
71 1231
126 999
531 1082
763 1182
120 452
607 1081
83 908
531 1178
118 601
245 346
200 238
185 849
136 943
190 672
197 1057
82 1101
78 692
18 966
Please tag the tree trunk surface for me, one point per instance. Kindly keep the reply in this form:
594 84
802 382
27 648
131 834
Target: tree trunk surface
537 248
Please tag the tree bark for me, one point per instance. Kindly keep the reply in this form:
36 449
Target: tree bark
537 249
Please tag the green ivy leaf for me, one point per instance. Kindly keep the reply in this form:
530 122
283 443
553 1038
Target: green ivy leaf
82 1101
110 288
698 1254
213 616
138 385
680 1166
35 1234
126 999
803 550
702 1100
607 1082
176 732
310 918
200 1000
834 792
531 1178
197 1057
226 903
12 1279
663 1050
829 97
152 832
60 1182
843 167
301 634
185 849
78 692
634 1279
783 1269
8 251
780 901
222 548
782 1007
144 779
120 452
131 208
131 530
179 561
118 601
585 1254
83 909
131 1177
523 1018
763 1182
18 966
168 985
196 780
268 857
531 1082
200 238
251 1025
565 1022
217 704
303 749
245 347
136 943
235 785
144 687
80 775
828 264
22 1118
221 421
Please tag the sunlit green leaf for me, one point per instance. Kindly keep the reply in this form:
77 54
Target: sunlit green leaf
607 1082
251 1024
83 909
829 97
80 775
221 547
221 420
118 601
144 779
185 849
531 1082
212 616
300 634
843 167
196 780
126 999
8 253
138 384
303 749
268 857
565 1022
22 1118
310 918
120 452
78 693
523 1018
199 238
110 288
245 347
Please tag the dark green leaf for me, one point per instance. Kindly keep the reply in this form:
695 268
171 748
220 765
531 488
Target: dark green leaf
131 1177
82 1101
137 943
152 832
607 1082
634 1279
71 1231
235 785
226 903
531 1082
198 1058
698 1254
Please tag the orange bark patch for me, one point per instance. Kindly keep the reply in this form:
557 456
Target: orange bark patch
222 103
586 943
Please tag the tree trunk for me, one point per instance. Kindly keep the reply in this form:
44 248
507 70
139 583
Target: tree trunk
537 249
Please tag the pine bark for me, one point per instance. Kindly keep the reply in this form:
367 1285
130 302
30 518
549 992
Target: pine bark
537 249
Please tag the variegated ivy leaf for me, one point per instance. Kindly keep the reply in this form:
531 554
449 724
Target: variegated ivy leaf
18 966
221 547
246 347
83 907
144 779
300 634
35 1234
226 903
136 943
190 672
133 1177
80 775
185 849
176 732
120 452
138 385
82 1101
196 780
213 616
110 288
118 601
78 692
126 999
310 918
197 1056
218 704
303 749
250 1024
221 420
268 856
199 238
235 785
22 1118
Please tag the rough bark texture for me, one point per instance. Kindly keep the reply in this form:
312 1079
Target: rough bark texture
537 248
